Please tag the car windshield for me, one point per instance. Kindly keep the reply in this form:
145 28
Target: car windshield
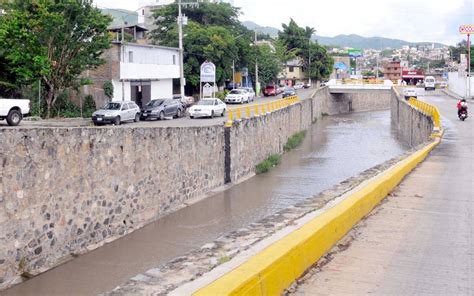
289 90
206 103
112 106
235 92
154 103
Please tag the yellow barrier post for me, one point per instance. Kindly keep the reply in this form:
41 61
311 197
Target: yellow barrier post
257 113
239 115
263 108
231 117
247 111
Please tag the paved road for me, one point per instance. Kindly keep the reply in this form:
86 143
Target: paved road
420 241
180 122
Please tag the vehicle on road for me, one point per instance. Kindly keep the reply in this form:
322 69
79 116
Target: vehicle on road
116 113
298 85
237 96
208 107
307 85
14 110
161 108
463 114
430 83
186 100
272 90
410 93
289 91
251 93
232 86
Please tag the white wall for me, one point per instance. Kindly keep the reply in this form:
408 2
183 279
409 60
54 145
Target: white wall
151 55
118 90
458 84
148 71
161 89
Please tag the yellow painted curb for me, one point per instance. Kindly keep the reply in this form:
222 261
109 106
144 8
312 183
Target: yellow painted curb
279 265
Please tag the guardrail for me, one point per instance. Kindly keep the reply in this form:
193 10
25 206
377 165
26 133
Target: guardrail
359 81
428 109
259 109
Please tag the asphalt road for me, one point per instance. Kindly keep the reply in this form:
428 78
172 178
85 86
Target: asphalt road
168 122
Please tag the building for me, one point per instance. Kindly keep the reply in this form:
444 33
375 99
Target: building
412 77
292 72
341 67
138 72
392 70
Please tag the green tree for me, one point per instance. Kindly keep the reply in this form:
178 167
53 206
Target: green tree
52 40
213 33
461 48
269 65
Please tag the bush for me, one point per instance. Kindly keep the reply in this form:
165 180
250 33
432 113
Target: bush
271 161
222 94
294 141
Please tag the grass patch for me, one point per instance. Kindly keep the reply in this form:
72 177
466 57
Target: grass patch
294 141
267 164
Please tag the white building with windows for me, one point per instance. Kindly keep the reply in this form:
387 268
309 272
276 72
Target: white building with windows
138 72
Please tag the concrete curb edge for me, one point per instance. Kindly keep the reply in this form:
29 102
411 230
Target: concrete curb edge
280 264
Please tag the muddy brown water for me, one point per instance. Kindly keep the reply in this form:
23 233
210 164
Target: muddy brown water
334 149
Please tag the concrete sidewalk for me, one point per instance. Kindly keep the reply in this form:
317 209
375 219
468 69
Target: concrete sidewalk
420 241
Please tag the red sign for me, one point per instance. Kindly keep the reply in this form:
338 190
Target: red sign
466 29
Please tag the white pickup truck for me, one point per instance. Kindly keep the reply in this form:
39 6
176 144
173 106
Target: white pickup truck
13 110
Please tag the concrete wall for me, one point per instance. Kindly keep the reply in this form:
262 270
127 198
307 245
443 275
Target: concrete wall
66 191
359 101
413 126
458 84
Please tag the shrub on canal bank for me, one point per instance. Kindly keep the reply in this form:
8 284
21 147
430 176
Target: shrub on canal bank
294 141
267 164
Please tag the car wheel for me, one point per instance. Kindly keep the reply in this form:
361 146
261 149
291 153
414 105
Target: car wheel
178 113
162 115
117 120
190 116
137 117
212 114
14 117
223 113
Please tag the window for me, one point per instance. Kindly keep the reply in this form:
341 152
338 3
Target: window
291 69
130 56
174 59
124 107
143 11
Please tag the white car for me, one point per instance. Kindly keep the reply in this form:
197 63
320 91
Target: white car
237 96
298 85
409 93
430 83
251 93
13 110
208 107
116 113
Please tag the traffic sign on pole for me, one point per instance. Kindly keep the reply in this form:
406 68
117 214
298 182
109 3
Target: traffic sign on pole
466 29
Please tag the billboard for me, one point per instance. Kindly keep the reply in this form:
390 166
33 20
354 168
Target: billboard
355 53
466 29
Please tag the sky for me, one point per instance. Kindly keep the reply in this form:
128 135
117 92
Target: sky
410 20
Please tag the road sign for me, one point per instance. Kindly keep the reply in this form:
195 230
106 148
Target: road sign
208 72
207 90
466 29
245 72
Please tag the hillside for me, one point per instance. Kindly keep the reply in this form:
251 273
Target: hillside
352 40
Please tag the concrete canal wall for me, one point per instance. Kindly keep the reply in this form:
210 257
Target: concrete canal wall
66 191
413 126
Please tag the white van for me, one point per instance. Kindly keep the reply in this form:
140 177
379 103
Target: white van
430 82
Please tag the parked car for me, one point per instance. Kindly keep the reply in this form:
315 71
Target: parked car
251 93
430 83
116 113
232 86
186 101
14 110
271 90
289 91
298 85
237 96
307 85
208 107
161 108
409 93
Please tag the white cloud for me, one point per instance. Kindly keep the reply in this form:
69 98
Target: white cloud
411 20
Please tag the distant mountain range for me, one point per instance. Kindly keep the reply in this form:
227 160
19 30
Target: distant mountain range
352 40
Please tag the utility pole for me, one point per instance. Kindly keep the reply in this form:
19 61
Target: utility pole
309 62
257 86
181 49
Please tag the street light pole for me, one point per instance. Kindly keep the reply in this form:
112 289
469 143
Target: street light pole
257 87
233 74
309 63
181 49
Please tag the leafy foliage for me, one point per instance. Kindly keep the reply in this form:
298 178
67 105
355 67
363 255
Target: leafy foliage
108 89
52 40
272 161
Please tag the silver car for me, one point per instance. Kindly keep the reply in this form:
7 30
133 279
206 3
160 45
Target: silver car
251 93
116 113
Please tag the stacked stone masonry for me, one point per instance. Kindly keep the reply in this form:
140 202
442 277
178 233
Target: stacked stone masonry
66 191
